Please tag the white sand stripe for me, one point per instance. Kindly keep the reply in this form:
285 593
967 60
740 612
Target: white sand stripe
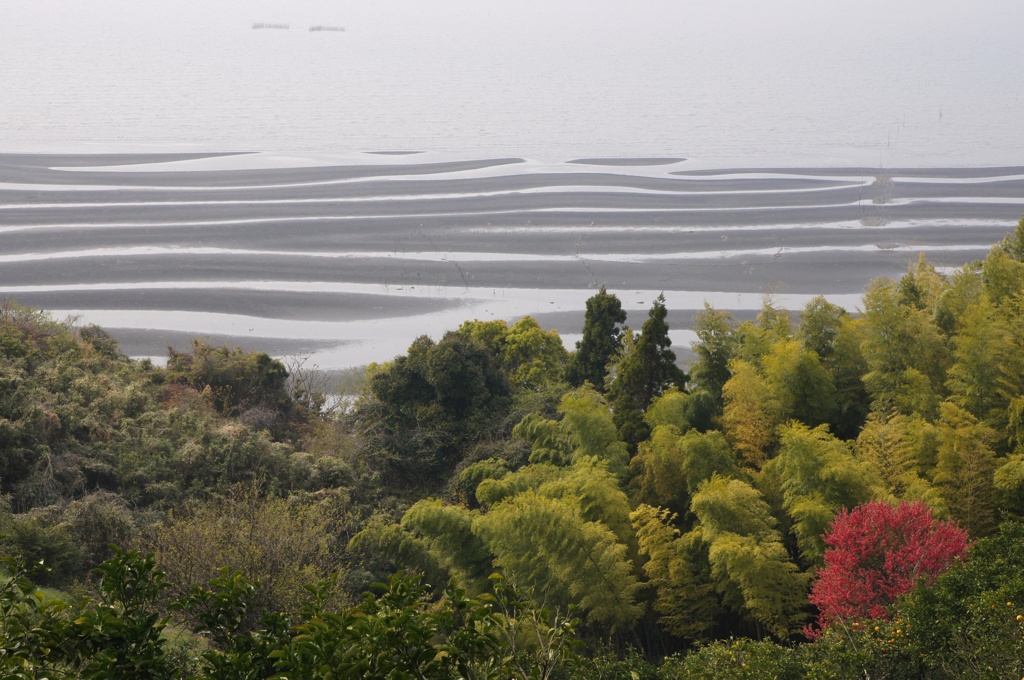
938 179
868 222
567 191
532 299
557 189
866 203
469 256
228 221
857 225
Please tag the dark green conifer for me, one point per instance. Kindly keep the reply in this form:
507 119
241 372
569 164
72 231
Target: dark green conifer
643 374
602 337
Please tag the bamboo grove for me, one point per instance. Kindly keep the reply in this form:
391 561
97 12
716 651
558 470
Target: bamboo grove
534 512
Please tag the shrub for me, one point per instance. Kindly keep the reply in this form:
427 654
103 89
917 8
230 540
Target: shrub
877 552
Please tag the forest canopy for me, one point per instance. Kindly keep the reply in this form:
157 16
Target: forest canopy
828 493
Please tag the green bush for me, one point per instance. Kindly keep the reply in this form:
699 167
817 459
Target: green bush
970 624
238 382
30 540
739 659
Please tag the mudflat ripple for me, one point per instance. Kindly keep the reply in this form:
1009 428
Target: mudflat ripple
349 262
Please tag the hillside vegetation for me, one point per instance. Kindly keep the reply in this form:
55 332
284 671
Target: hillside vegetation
817 495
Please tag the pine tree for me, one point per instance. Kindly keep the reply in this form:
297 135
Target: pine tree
643 375
602 331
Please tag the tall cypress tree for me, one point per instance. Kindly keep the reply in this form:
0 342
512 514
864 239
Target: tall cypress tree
602 337
644 374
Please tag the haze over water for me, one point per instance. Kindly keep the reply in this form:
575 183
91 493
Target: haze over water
873 82
730 149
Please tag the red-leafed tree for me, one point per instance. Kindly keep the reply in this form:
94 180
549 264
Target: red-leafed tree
877 552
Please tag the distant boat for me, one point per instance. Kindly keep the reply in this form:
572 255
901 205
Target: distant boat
340 29
271 26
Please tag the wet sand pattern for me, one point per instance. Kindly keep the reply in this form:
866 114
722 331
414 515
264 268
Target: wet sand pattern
350 262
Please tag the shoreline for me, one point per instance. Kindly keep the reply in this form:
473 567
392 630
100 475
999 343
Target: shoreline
363 256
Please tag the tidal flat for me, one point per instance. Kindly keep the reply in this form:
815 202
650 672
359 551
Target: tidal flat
347 260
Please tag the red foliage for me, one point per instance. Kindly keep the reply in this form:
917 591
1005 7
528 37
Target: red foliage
877 552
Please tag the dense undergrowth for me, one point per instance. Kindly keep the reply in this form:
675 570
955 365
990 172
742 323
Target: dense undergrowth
644 522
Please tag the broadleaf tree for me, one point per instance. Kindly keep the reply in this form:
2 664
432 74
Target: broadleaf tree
877 552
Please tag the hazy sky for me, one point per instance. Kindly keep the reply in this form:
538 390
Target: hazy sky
713 78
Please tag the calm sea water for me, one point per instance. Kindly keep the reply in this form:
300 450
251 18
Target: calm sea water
738 81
